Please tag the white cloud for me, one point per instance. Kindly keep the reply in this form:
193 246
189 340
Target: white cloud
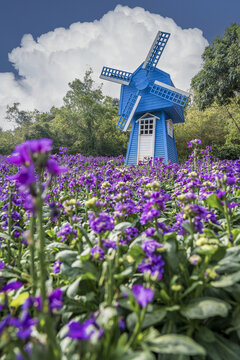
120 39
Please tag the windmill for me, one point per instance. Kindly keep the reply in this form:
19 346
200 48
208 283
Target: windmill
151 104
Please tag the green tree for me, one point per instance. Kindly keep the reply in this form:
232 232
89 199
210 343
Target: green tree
17 116
219 80
211 126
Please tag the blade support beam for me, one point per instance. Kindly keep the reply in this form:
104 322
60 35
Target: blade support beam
115 75
169 93
130 108
156 51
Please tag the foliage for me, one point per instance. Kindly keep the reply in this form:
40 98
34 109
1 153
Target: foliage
219 80
231 151
115 262
86 123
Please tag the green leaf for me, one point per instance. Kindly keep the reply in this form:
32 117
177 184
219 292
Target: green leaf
203 308
151 318
122 226
227 280
19 300
67 256
128 271
176 344
229 349
135 254
191 288
140 355
171 255
214 202
72 290
57 245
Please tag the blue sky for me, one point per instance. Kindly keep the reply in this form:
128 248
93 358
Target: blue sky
18 17
45 44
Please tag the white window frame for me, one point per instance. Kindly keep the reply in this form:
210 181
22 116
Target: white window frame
170 127
147 116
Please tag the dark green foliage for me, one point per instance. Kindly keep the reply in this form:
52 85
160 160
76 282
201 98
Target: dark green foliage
85 124
228 152
219 80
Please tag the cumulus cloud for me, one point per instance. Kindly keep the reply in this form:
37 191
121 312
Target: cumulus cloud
120 39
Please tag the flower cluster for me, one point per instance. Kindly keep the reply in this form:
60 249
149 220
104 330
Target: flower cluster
152 264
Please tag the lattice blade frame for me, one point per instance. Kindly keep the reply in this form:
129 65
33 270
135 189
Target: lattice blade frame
129 110
156 51
170 93
115 75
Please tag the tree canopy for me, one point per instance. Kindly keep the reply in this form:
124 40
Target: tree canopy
219 80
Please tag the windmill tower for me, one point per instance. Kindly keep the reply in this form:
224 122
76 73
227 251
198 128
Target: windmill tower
151 104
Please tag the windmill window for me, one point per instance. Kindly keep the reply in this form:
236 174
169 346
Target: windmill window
170 128
146 126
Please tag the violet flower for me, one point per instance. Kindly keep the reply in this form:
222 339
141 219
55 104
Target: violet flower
14 285
142 295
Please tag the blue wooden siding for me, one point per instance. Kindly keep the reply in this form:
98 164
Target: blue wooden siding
132 152
171 148
160 138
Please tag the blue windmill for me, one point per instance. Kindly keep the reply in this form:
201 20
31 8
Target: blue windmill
151 104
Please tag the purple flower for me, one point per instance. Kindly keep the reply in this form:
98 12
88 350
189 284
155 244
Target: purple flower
53 167
97 253
109 244
194 142
4 323
25 176
150 231
143 295
56 266
66 230
14 285
24 325
82 331
20 156
41 146
55 299
2 265
231 180
150 246
102 223
153 263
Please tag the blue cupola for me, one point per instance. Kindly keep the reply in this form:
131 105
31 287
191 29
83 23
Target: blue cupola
149 106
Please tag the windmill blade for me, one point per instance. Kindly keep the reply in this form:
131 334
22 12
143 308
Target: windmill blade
156 51
170 93
117 76
128 112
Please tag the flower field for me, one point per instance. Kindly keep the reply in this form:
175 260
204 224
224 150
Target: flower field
99 260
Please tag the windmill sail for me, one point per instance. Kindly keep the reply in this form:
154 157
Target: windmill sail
128 112
117 76
156 51
170 93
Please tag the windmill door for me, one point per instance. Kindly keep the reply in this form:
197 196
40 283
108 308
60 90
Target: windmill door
146 138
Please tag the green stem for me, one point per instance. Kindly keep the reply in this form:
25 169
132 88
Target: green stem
110 280
9 228
41 250
53 348
227 216
32 254
137 327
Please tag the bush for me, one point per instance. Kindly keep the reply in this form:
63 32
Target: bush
227 152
